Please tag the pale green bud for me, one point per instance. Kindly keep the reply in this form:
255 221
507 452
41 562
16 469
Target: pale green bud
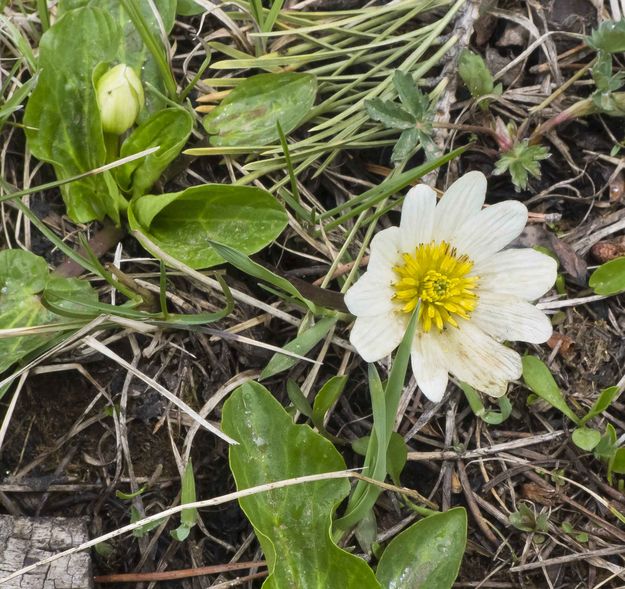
120 99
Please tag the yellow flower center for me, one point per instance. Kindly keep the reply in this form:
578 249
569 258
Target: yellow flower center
437 275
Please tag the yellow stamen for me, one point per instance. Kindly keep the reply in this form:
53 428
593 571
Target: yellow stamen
437 275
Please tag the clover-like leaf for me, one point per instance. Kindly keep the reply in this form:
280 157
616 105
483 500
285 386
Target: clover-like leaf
388 113
522 161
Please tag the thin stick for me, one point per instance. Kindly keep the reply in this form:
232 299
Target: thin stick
479 452
180 574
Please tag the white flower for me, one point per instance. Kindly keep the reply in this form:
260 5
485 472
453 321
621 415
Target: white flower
474 294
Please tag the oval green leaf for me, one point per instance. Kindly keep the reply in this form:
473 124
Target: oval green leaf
183 223
292 524
586 438
23 278
609 278
538 378
250 113
62 118
427 555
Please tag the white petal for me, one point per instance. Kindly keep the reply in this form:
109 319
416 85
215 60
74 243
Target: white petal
478 360
428 366
385 252
417 217
506 317
525 273
491 230
376 337
370 295
461 201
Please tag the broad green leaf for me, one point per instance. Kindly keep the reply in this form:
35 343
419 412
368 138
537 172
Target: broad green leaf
183 223
605 398
609 36
24 279
538 378
251 268
250 113
130 49
62 118
169 129
427 555
291 524
609 278
474 73
586 438
327 396
301 345
389 114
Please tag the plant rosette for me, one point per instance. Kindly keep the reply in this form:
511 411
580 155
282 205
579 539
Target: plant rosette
473 294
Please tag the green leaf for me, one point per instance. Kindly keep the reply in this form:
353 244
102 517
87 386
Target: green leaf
608 36
525 519
389 114
169 129
251 268
131 49
23 280
301 345
385 402
586 438
291 524
183 223
538 378
188 517
296 396
609 278
62 118
396 457
366 532
413 100
405 145
427 555
141 531
618 462
250 113
603 401
522 161
606 447
327 396
474 73
488 416
188 8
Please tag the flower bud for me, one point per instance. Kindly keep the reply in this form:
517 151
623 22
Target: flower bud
120 99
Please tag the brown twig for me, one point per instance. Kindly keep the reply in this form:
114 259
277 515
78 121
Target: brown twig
179 574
